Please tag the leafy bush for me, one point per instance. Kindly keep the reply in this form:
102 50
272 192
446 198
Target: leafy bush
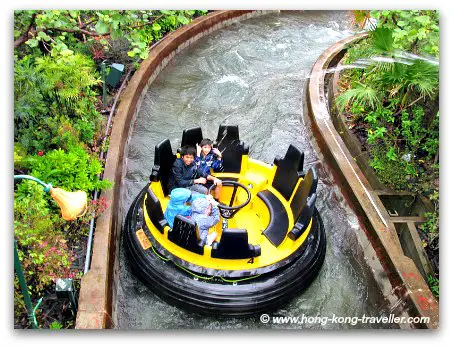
415 30
394 97
433 283
55 325
391 98
72 170
57 121
55 102
41 245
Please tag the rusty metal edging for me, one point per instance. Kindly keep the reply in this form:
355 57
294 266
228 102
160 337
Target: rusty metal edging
403 271
95 299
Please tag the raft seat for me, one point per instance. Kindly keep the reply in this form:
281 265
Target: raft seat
163 162
305 189
279 222
185 234
232 148
303 203
234 244
154 210
304 220
289 170
190 137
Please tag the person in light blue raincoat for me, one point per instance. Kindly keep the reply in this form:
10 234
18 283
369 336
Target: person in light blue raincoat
179 198
206 214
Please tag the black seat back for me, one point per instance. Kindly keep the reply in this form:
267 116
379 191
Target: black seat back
154 210
288 171
232 149
163 161
191 136
185 235
234 245
305 189
304 219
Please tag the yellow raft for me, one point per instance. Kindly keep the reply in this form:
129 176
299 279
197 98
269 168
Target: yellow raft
270 242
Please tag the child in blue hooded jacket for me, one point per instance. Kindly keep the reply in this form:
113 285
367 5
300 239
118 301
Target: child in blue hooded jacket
179 198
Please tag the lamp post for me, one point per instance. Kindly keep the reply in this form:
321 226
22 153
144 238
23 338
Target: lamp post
72 205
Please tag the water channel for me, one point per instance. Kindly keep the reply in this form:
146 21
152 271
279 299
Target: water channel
253 74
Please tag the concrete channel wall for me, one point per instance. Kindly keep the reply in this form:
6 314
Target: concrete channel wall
406 279
98 291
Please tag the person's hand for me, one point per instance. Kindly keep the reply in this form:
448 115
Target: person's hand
211 200
217 152
218 182
200 180
198 149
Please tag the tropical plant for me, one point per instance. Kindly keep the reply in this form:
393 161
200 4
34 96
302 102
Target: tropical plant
392 94
71 170
62 32
58 121
414 30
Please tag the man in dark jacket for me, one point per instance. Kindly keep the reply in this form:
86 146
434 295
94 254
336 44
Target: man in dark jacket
184 172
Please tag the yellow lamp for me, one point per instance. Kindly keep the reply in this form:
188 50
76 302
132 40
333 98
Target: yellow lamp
73 205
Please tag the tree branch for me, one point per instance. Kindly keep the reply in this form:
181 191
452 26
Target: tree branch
405 108
24 36
82 31
80 26
84 25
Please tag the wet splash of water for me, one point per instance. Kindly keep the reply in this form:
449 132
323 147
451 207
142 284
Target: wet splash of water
398 57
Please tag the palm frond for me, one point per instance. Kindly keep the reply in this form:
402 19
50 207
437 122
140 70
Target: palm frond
362 94
423 77
383 40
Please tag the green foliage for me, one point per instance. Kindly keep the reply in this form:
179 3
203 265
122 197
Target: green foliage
360 17
59 31
41 245
415 30
395 100
391 169
32 218
433 283
71 170
55 325
383 41
360 94
19 153
431 226
29 102
55 102
57 122
394 97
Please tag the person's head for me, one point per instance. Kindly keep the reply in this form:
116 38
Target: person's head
206 146
180 195
188 154
201 206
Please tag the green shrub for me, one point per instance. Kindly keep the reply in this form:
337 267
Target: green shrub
396 101
42 247
55 325
415 30
433 283
72 170
55 102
